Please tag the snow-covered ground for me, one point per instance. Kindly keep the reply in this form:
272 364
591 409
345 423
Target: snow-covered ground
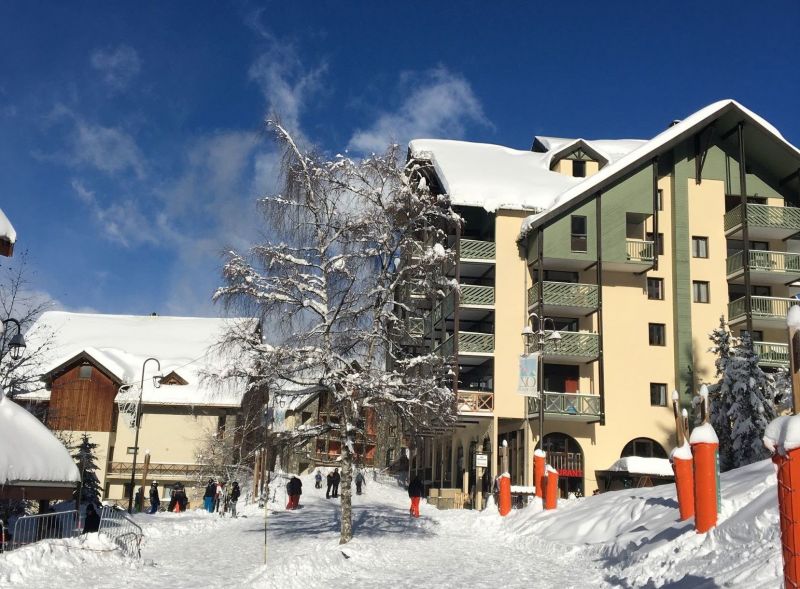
625 539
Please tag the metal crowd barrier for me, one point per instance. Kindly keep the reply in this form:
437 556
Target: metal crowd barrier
125 533
32 528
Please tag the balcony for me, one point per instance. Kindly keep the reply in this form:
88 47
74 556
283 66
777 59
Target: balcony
771 354
475 402
160 470
469 344
764 222
564 298
473 250
567 407
477 296
639 251
767 311
765 266
575 347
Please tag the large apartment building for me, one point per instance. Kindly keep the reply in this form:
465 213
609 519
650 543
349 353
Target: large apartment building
632 250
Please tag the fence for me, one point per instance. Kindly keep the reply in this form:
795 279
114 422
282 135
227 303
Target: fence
32 528
122 530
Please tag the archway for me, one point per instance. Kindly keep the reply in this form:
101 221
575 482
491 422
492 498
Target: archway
564 454
644 447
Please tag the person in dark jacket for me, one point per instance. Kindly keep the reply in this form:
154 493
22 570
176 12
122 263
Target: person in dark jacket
208 496
359 482
415 491
329 480
92 521
235 494
336 480
155 501
178 498
294 488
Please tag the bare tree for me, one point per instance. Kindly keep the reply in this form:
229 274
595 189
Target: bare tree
346 239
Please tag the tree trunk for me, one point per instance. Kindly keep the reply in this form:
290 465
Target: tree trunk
346 495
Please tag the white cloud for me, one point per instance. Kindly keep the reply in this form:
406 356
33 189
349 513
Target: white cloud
118 66
439 104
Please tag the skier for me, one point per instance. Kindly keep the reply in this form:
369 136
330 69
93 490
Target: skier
294 488
330 485
318 480
336 479
154 499
235 492
415 490
359 481
208 496
178 498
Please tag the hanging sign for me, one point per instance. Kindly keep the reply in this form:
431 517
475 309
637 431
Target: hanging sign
528 385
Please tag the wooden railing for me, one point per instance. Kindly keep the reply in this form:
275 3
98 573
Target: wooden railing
639 250
473 249
468 343
572 461
574 343
475 401
765 307
567 405
771 354
566 294
472 294
160 469
764 216
765 261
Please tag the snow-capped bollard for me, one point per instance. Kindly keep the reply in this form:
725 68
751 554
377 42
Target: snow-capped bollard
551 488
683 465
705 445
504 493
782 438
538 471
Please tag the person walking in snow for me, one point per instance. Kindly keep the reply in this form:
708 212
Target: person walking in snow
294 488
330 485
415 491
235 493
359 482
92 521
336 480
208 496
318 480
155 501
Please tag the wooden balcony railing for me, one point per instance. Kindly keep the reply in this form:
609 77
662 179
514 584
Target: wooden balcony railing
475 401
577 344
565 294
468 343
639 250
762 307
473 249
160 469
567 405
764 216
765 261
472 294
770 354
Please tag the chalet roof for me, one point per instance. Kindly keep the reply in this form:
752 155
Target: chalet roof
7 235
120 344
30 455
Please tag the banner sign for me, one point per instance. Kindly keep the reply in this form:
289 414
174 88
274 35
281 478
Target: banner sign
529 375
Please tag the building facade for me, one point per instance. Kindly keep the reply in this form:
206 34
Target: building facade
632 250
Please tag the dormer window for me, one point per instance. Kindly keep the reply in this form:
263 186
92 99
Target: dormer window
579 169
173 378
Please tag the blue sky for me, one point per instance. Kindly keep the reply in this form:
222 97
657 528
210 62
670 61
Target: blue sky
131 141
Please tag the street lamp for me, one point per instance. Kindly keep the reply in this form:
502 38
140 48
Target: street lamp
540 338
156 383
16 346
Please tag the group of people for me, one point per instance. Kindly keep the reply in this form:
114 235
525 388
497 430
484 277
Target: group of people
334 479
178 500
219 498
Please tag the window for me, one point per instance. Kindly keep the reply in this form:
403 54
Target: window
579 168
131 450
644 447
657 333
658 242
700 291
758 335
699 247
85 372
655 289
578 224
660 200
658 394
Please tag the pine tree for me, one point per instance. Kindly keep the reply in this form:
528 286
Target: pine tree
719 395
85 458
753 403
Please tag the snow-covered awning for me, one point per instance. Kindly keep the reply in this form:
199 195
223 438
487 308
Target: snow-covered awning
8 237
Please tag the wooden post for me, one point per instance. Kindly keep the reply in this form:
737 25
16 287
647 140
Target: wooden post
145 469
793 326
479 488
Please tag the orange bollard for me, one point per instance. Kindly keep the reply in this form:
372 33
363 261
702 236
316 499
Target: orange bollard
551 488
504 492
705 485
780 434
538 472
684 482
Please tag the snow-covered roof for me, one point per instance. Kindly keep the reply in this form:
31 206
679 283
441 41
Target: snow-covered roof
29 452
121 343
640 465
661 142
7 229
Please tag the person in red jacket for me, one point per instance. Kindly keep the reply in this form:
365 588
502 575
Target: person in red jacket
415 490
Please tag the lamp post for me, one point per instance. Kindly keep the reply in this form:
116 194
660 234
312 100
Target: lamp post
540 337
138 424
16 347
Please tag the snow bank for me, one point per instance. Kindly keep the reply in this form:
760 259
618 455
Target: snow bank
29 452
640 465
783 434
